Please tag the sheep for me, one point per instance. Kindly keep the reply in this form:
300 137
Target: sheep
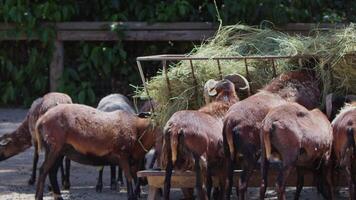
24 136
108 103
193 140
87 135
242 122
344 150
301 139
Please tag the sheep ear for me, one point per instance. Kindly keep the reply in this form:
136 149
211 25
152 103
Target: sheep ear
144 114
5 141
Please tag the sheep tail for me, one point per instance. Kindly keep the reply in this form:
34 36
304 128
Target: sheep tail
175 144
267 141
38 134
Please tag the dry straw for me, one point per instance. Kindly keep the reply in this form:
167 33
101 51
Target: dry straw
337 72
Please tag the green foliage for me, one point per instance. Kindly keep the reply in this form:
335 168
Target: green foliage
91 66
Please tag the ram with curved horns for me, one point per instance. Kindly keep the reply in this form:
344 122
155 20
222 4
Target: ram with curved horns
193 140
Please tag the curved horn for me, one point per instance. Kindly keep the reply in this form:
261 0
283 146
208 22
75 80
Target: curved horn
209 87
247 84
5 141
329 104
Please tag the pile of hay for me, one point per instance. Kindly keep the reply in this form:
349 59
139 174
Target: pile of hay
337 72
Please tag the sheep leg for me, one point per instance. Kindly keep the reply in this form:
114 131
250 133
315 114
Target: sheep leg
350 181
199 182
32 180
53 178
245 176
99 184
124 164
300 182
113 183
120 179
264 174
50 159
230 170
154 158
329 182
169 168
167 180
353 182
209 183
61 168
137 179
66 179
222 186
281 181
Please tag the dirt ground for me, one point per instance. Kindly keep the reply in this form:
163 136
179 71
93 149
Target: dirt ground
15 172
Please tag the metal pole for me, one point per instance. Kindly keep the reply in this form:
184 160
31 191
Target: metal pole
219 67
164 64
246 69
194 78
144 84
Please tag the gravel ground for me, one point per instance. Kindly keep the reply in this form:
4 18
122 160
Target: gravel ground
15 172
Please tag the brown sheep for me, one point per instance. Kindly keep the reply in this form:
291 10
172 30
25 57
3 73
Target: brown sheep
193 138
79 131
344 130
242 122
301 139
18 141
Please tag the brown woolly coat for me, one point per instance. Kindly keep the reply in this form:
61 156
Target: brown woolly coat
299 136
115 135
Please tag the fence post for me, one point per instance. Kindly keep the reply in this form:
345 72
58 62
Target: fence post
56 66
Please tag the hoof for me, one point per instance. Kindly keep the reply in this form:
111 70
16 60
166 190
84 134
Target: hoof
57 197
113 186
120 183
31 181
99 188
65 185
133 198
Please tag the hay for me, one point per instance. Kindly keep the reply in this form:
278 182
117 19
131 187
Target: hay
336 71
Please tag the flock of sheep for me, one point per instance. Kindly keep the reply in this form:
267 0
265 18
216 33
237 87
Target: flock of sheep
279 122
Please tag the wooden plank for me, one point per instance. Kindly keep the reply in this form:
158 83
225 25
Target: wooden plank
187 179
56 66
174 35
142 31
137 26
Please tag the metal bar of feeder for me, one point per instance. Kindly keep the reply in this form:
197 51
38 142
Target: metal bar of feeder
164 64
219 67
185 57
144 84
246 69
194 78
273 68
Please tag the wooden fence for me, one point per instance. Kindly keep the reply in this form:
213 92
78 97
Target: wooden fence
133 31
